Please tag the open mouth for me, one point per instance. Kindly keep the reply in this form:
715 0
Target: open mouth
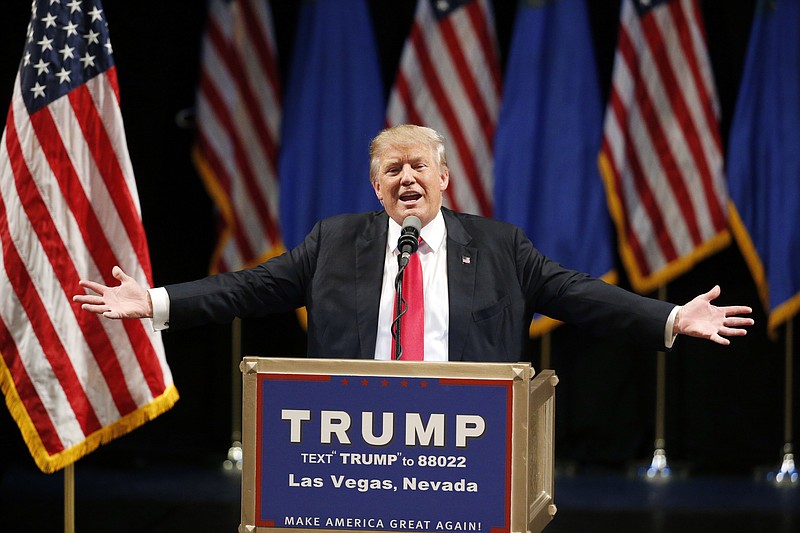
410 197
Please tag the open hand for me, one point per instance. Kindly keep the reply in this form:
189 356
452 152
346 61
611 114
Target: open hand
699 318
127 300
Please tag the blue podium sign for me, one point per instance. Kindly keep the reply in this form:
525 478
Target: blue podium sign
381 448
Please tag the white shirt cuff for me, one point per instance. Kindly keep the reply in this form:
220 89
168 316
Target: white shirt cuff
669 337
159 298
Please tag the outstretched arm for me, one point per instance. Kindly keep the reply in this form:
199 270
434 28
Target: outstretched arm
127 300
699 318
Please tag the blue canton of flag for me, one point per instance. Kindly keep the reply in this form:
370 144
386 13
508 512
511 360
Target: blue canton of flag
64 50
442 8
643 6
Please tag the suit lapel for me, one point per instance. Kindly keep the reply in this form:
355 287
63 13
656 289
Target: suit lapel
370 255
461 266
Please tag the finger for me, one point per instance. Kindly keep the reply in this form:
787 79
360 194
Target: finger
732 332
95 308
112 314
736 310
88 299
118 273
93 286
713 294
738 321
719 340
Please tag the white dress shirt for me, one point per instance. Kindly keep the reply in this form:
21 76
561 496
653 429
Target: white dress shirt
433 257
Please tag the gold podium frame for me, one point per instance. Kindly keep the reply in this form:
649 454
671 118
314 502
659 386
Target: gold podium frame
533 419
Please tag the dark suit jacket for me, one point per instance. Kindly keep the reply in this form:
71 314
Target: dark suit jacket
496 280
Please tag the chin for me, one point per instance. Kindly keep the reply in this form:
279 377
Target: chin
421 212
415 213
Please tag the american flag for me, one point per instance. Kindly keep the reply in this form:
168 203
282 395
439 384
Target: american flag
69 209
661 157
238 125
449 80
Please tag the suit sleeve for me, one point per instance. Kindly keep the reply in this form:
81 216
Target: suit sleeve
277 285
589 303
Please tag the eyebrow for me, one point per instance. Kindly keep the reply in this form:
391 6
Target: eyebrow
395 160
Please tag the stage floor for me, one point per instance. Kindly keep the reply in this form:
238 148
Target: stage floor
150 498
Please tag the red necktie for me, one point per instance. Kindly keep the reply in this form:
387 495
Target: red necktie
412 332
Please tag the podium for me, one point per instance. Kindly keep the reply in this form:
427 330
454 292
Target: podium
354 445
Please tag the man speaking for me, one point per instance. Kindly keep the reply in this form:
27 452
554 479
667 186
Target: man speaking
470 289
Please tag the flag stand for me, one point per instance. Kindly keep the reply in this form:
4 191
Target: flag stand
234 460
787 474
69 498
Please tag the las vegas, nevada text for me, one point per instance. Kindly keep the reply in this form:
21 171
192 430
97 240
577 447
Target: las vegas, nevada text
417 433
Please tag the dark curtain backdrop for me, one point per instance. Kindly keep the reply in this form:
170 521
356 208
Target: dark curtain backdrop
724 405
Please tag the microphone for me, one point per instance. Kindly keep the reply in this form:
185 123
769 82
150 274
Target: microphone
409 239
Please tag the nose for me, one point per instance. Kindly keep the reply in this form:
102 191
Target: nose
408 176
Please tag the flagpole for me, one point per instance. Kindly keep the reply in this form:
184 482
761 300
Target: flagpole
787 431
658 466
234 460
69 498
787 474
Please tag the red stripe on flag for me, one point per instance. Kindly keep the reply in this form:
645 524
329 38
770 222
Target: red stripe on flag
249 179
409 107
709 104
24 386
211 157
468 82
111 74
653 118
234 111
634 245
449 79
488 47
262 48
44 330
102 151
413 117
70 369
72 190
648 200
92 233
644 193
248 97
658 78
64 269
717 211
146 356
689 132
450 117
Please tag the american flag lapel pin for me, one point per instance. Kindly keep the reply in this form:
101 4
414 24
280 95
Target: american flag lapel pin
465 260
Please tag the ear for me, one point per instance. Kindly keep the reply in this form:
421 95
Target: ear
376 185
444 179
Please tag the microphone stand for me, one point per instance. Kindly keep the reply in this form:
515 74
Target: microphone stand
400 307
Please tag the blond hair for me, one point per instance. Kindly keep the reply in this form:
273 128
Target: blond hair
405 135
